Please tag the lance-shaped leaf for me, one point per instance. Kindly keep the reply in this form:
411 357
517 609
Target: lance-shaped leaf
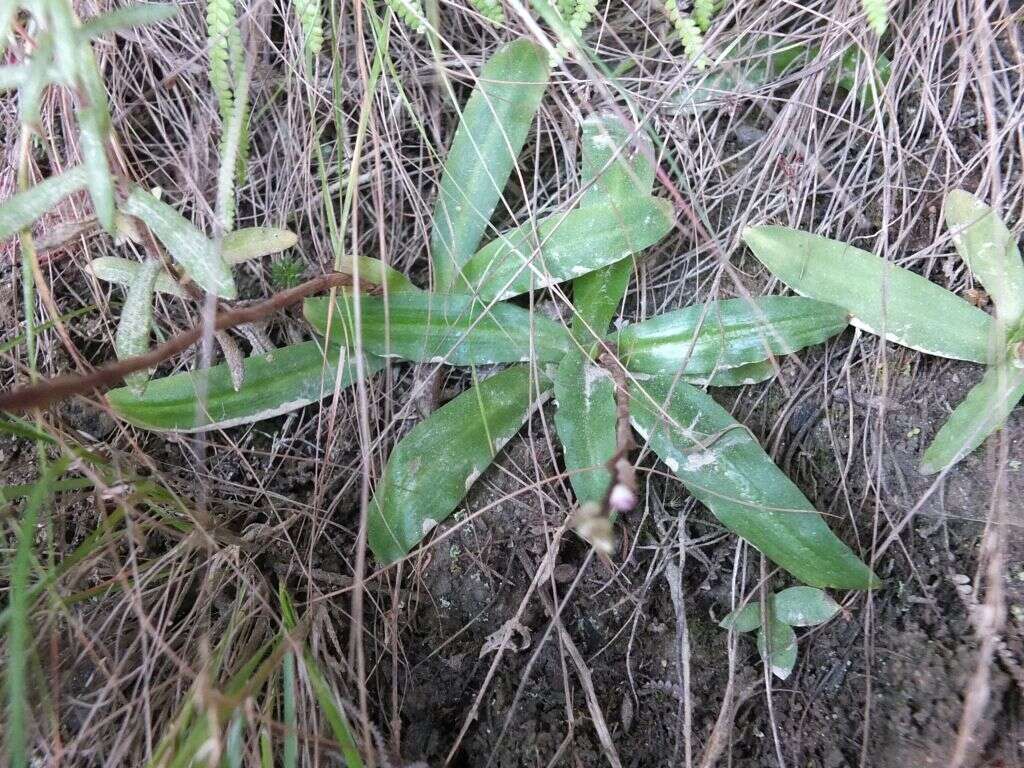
378 273
275 383
136 320
725 468
585 421
92 123
114 269
778 648
727 334
990 250
566 245
984 410
196 253
487 142
432 468
20 211
804 606
608 175
881 298
433 327
254 243
740 376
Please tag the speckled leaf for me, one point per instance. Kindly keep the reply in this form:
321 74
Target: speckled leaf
432 468
566 245
612 176
778 651
984 410
20 211
432 327
745 619
196 253
804 606
585 421
740 376
135 323
727 334
114 269
92 124
722 466
275 383
254 243
990 250
882 298
490 135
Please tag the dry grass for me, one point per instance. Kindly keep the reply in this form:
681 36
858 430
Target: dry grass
186 587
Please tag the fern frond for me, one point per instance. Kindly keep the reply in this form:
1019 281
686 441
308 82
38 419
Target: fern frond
490 10
581 15
312 22
411 12
565 8
877 13
688 32
220 20
703 11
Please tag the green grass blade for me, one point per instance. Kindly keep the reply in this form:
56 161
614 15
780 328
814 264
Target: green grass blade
778 650
984 410
290 754
135 323
432 327
608 175
566 245
432 468
723 467
113 269
275 383
130 16
18 212
334 714
196 253
732 333
804 606
490 135
585 421
990 250
882 298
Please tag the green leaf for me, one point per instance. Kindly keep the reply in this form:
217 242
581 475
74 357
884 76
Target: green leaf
275 383
779 649
882 298
432 327
18 212
130 16
378 273
254 243
990 250
848 78
490 135
12 76
727 334
566 245
804 606
136 321
114 269
984 410
723 467
92 123
585 421
612 177
197 254
39 75
432 468
745 619
740 376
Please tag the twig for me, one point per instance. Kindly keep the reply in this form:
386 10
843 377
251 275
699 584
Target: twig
59 388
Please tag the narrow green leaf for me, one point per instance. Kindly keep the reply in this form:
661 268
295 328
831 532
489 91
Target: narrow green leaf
18 212
745 619
39 75
93 143
585 421
114 269
432 468
490 135
136 321
778 650
740 376
254 243
727 334
275 383
197 255
990 250
612 176
882 298
234 748
804 606
130 16
290 753
984 410
327 699
432 327
723 467
378 273
566 245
